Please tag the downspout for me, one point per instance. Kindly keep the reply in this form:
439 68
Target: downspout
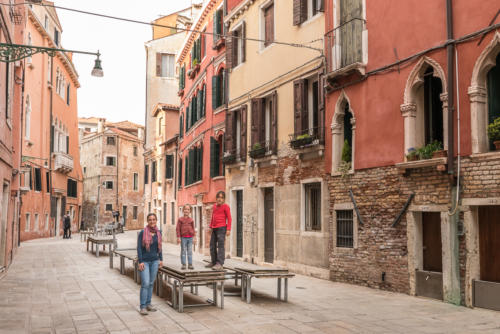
52 138
117 171
449 53
19 198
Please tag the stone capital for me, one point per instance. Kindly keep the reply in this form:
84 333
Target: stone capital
336 128
409 110
477 94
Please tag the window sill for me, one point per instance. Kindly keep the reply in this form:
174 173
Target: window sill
195 125
193 184
219 109
236 164
264 48
220 177
347 70
421 163
311 19
493 155
337 173
310 152
266 161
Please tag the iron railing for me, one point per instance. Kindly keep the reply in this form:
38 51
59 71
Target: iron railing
260 149
344 44
308 137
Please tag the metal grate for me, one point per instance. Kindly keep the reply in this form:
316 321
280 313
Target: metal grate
345 228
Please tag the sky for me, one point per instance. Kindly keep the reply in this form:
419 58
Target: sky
121 93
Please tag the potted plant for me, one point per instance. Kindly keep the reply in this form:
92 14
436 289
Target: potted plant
438 150
412 154
257 151
302 140
494 133
228 158
346 152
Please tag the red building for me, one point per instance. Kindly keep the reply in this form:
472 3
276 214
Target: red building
202 87
406 79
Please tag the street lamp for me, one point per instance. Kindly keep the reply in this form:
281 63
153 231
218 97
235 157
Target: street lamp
14 52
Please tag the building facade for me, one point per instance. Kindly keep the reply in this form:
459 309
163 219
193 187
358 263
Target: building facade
161 117
274 138
51 181
12 19
112 161
404 219
202 88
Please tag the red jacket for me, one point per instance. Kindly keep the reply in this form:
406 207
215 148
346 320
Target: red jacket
220 215
185 227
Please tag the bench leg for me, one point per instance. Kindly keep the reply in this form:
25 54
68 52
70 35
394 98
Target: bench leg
222 294
286 289
243 287
111 260
214 285
87 245
174 295
249 289
97 250
181 297
279 288
122 266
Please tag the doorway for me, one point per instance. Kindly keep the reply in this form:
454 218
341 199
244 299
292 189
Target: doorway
269 225
58 215
124 215
239 223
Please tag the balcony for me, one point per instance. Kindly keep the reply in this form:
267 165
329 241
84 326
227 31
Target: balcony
344 49
63 162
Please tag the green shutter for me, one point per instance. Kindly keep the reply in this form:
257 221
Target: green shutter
215 28
180 174
51 138
204 101
212 157
186 165
223 87
188 116
215 88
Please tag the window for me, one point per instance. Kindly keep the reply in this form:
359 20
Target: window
134 212
268 13
308 108
56 37
433 108
218 89
46 22
135 151
181 126
27 121
264 125
109 207
182 77
28 222
153 172
343 136
235 141
312 197
136 182
36 227
109 184
306 9
84 170
493 87
165 65
110 161
194 164
197 108
179 176
203 44
169 166
345 228
38 179
72 190
68 89
47 181
196 52
146 174
215 157
110 140
236 46
172 213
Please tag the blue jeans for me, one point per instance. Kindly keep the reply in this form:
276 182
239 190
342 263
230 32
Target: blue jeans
187 247
148 276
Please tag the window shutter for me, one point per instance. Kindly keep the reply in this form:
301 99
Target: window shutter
199 99
31 179
188 118
298 105
215 88
186 170
215 36
222 84
274 123
168 166
299 11
229 50
179 176
146 174
255 121
51 138
67 144
212 157
243 148
320 5
200 163
243 41
180 126
269 25
229 135
321 107
158 64
204 100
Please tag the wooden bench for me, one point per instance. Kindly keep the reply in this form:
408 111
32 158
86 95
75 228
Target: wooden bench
99 241
200 276
85 234
130 254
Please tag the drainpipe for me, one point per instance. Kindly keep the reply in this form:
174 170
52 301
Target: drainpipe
450 48
51 142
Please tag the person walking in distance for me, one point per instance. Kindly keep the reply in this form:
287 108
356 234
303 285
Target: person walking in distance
67 226
221 227
149 257
185 235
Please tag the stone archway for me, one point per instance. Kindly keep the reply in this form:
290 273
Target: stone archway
478 95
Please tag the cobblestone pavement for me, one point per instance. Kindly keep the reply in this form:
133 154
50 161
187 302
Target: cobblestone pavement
55 286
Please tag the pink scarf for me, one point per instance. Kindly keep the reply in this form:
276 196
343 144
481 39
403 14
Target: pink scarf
147 237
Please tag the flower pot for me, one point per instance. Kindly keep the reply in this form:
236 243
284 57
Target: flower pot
229 159
413 157
296 143
257 153
497 145
440 154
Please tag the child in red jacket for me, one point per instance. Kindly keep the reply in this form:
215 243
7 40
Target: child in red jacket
185 235
221 227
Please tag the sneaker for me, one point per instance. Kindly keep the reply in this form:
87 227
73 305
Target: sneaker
183 267
150 308
210 265
217 267
143 311
190 266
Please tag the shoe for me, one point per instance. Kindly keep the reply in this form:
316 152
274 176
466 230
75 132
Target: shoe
190 266
143 311
210 265
217 267
183 267
150 308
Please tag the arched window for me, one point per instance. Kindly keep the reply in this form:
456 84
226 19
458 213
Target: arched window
493 84
343 135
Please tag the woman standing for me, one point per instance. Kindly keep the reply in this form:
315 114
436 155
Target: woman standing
149 256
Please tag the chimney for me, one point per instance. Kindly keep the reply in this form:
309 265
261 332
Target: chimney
100 125
140 133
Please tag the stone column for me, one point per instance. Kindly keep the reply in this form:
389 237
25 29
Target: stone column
337 135
409 112
451 270
472 266
444 100
478 118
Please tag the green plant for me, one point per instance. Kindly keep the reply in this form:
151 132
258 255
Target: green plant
412 154
344 168
195 62
426 151
494 130
256 146
304 136
346 152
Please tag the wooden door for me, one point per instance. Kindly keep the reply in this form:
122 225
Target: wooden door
489 243
124 214
431 241
268 225
239 223
351 28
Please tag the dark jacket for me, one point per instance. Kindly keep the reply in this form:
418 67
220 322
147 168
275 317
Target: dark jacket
154 253
67 222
